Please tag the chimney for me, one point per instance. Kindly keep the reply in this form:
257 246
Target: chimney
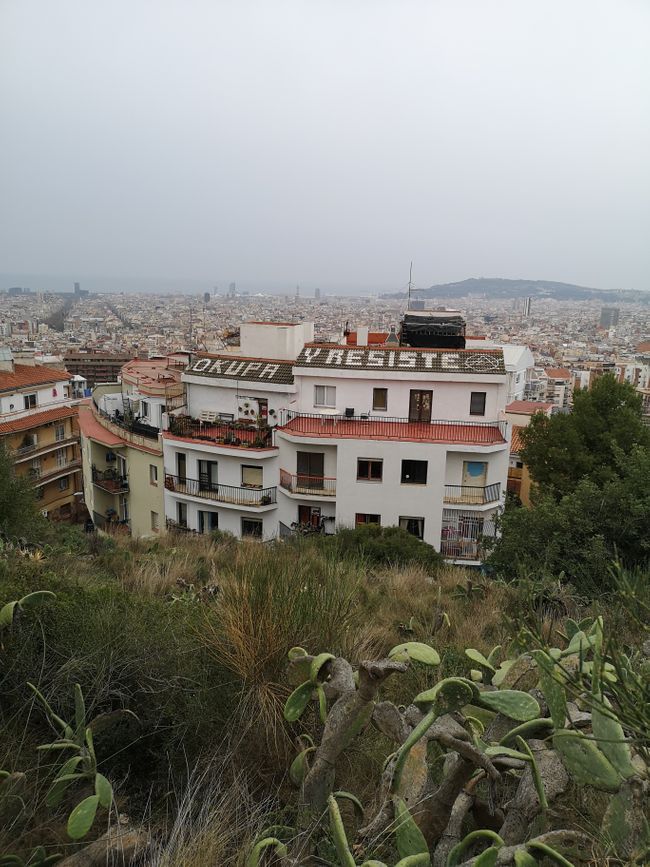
362 335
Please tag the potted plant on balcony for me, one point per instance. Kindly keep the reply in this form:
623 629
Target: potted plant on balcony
170 484
266 500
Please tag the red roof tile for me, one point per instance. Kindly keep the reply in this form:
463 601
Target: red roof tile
375 338
515 442
36 419
528 407
557 373
24 375
336 427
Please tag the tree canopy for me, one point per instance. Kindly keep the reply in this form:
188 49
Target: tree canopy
19 516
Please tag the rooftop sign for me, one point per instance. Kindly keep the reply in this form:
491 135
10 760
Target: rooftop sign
419 360
248 369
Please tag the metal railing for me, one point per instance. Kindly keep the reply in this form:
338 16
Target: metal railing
236 496
473 495
110 480
301 483
40 475
131 425
179 528
385 427
222 433
52 445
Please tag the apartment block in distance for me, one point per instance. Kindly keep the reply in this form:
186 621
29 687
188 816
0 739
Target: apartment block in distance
121 445
285 435
38 425
96 367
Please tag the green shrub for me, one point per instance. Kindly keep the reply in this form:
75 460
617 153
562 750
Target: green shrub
385 546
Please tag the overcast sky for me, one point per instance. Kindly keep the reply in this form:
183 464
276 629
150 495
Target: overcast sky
325 142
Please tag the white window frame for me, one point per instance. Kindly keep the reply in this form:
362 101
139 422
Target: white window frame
326 397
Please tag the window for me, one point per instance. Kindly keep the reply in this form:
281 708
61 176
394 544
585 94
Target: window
380 399
59 432
325 395
414 472
208 521
29 401
64 484
251 527
144 409
153 475
208 472
181 514
369 470
414 526
362 518
61 457
420 403
155 521
251 477
309 516
477 403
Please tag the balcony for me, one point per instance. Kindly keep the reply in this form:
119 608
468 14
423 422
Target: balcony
315 486
472 495
227 494
385 428
41 476
463 534
24 453
110 480
230 434
131 430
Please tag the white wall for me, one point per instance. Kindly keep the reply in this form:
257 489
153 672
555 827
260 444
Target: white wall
45 399
451 399
269 340
229 465
225 399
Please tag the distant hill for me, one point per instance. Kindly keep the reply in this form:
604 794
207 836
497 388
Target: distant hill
499 287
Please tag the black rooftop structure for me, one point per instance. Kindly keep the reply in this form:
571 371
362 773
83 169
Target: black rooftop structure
433 329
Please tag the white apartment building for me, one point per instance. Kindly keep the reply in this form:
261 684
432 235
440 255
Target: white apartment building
284 434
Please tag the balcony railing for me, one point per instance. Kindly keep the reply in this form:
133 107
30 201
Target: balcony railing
221 433
42 447
235 496
301 483
463 534
110 480
40 475
472 495
388 428
177 527
128 424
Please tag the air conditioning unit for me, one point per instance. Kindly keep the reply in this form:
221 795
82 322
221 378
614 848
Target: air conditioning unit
349 411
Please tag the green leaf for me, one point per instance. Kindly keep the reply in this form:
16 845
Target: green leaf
502 670
298 701
408 837
585 761
447 695
348 796
55 719
298 769
322 703
492 655
550 853
423 860
338 834
456 853
297 652
506 751
415 650
524 859
488 858
552 688
537 777
609 733
317 663
280 850
33 600
62 781
515 704
7 614
82 817
104 791
477 656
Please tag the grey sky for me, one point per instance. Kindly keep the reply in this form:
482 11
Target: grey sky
326 142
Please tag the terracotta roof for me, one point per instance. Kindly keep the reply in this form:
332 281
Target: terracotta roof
90 427
37 419
402 359
557 373
24 375
644 347
338 427
245 369
515 442
528 407
374 338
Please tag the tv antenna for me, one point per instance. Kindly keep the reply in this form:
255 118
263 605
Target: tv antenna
410 284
